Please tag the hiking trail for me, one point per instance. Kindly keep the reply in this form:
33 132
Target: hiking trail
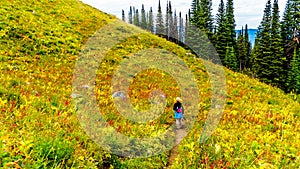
180 134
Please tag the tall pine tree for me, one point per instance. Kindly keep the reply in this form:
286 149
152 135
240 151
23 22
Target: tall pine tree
167 22
241 53
130 14
123 15
186 27
160 28
202 16
262 46
290 28
207 9
293 80
276 57
268 54
244 49
221 39
230 25
175 28
248 47
180 29
150 25
143 23
136 20
194 6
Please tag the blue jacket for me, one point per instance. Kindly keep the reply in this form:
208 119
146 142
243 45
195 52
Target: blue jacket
177 106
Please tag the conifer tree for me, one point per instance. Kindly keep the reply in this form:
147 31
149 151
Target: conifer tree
289 27
290 34
143 23
293 79
167 26
170 32
276 57
241 50
202 17
196 15
248 47
262 53
199 30
133 15
268 52
160 28
194 36
254 54
207 9
150 21
123 15
180 30
194 6
175 28
244 49
230 25
136 20
187 22
130 16
230 59
221 40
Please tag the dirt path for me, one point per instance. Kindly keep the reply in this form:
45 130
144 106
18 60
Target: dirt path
180 133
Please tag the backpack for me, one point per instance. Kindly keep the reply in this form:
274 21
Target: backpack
179 110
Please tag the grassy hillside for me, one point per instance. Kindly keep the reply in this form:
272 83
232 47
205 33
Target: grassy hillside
40 43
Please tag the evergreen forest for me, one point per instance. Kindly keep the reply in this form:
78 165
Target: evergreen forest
273 58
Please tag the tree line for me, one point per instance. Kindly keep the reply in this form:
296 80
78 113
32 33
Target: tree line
274 58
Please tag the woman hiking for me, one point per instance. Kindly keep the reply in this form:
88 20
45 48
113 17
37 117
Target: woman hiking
179 111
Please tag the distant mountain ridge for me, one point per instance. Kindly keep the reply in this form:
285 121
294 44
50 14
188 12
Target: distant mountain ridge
252 35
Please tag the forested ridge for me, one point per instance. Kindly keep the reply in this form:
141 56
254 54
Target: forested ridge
274 57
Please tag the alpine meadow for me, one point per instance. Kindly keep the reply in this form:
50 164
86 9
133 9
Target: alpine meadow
42 41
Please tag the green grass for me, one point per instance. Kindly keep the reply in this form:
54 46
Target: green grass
40 43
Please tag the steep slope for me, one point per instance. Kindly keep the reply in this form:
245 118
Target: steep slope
258 130
40 44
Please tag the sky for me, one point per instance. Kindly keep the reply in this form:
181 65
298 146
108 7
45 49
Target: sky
246 11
